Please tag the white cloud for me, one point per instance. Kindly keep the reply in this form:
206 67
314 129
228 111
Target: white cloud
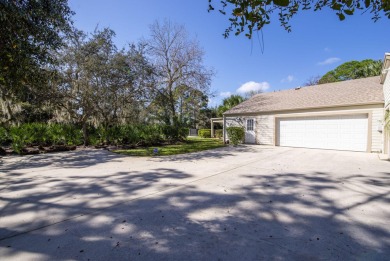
225 94
330 61
327 49
289 78
253 86
212 102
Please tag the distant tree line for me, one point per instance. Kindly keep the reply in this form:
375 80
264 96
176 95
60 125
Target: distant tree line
348 71
52 72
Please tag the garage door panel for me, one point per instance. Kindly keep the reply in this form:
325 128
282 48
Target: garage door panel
347 132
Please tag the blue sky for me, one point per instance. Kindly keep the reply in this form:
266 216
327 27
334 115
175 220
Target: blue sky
319 42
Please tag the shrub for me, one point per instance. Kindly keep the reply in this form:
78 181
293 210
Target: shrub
19 137
218 133
204 133
130 134
4 136
172 133
72 135
150 134
183 133
113 134
62 134
236 134
38 132
31 134
55 134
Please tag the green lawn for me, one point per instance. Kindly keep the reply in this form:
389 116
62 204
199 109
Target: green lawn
191 145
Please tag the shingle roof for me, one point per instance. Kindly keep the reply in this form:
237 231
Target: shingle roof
352 92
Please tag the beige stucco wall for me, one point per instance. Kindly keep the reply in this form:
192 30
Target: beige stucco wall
386 139
386 91
265 122
377 136
265 129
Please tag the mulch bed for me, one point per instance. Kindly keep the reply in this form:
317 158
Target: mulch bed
37 150
5 151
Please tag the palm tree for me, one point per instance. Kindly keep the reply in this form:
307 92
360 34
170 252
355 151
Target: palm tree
368 68
229 103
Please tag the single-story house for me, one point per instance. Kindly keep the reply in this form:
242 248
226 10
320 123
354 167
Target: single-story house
346 115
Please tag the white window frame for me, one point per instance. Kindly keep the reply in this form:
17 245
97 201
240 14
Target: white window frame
250 124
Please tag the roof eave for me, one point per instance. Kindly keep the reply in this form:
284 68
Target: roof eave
306 108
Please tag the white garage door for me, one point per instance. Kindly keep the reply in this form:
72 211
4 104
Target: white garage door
347 132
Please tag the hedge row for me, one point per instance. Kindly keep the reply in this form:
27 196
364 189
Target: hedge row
41 134
219 133
204 133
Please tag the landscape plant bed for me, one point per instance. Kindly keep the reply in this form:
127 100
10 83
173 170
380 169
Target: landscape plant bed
38 149
190 145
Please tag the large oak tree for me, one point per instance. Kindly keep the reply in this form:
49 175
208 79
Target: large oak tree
247 16
30 31
100 84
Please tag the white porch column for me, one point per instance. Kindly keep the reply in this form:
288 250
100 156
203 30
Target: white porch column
224 129
212 129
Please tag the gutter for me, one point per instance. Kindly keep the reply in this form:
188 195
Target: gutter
300 108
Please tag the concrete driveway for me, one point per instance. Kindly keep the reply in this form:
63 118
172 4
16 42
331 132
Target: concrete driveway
246 203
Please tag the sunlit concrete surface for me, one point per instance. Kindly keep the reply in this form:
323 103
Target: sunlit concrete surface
244 203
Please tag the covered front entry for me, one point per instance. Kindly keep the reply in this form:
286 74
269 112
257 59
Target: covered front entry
342 132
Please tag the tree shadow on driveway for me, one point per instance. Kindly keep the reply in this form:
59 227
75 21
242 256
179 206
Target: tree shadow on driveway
70 159
234 216
218 153
92 157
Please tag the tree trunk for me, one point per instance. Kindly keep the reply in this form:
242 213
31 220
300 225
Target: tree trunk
175 120
108 138
181 111
85 133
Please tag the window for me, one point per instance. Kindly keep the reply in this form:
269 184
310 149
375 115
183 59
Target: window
249 125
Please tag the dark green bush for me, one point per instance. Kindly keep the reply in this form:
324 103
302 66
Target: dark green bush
32 134
73 136
183 133
172 133
218 133
63 134
130 134
38 133
149 134
236 135
204 133
4 137
19 138
42 134
127 134
55 134
134 134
